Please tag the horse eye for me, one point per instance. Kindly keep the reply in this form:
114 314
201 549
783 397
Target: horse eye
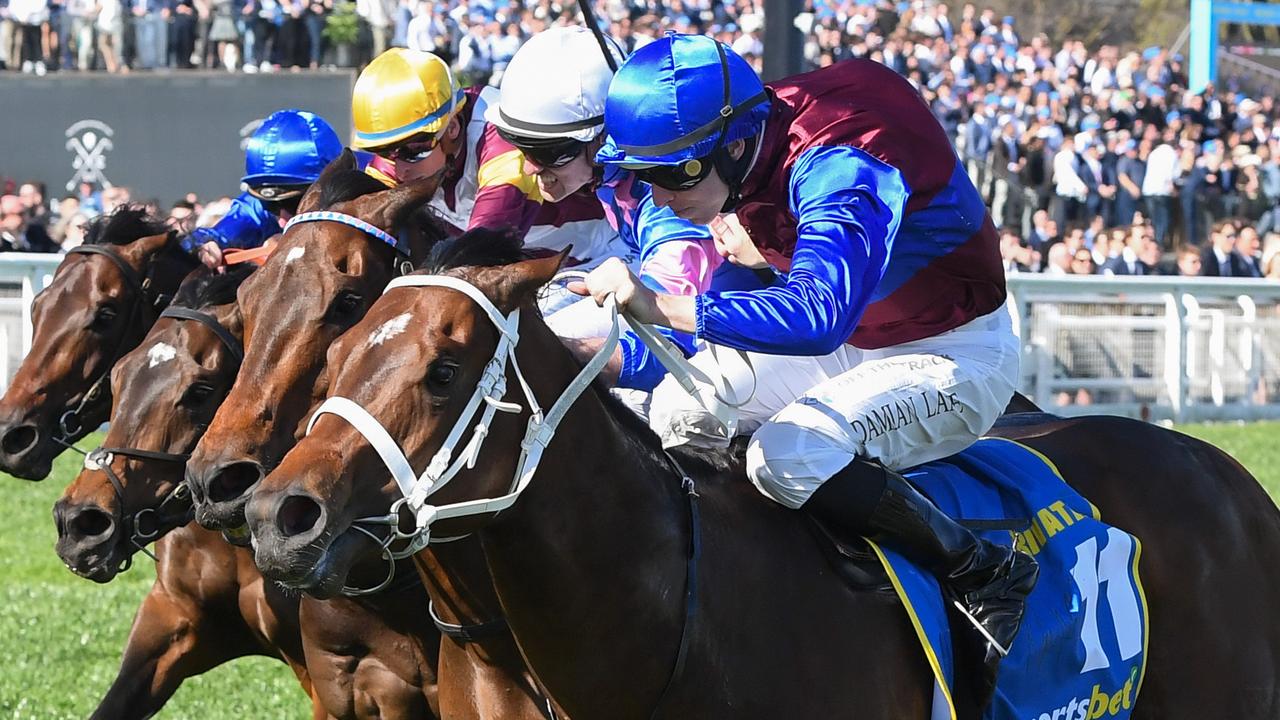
196 395
345 304
103 318
441 374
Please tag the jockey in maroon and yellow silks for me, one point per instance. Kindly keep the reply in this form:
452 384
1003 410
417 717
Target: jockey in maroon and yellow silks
411 113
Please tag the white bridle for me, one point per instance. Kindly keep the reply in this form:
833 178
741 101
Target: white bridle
417 489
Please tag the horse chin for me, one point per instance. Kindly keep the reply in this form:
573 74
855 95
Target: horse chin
34 469
326 578
238 536
100 565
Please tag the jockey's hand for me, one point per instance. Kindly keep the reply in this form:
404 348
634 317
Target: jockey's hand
734 244
613 277
211 255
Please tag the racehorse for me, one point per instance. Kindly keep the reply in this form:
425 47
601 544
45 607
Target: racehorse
103 297
644 584
319 281
209 603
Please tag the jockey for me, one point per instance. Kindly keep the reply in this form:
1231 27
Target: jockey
285 155
892 309
551 108
410 112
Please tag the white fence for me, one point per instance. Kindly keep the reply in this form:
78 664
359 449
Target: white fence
1151 347
22 275
1182 349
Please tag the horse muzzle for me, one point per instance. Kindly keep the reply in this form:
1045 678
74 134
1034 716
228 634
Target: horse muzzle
221 493
25 451
295 546
88 541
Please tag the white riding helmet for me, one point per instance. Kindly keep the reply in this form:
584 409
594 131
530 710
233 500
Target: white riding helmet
555 86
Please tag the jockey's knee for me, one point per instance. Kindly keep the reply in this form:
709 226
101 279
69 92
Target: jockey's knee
788 462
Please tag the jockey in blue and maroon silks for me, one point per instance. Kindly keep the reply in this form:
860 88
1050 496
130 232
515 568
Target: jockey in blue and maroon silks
285 155
885 346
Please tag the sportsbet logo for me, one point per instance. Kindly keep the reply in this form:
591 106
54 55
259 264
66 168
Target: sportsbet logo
1099 704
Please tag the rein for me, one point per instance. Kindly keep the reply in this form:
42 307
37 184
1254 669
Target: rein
175 509
70 424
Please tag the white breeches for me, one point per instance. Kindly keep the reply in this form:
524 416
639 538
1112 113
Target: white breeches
903 405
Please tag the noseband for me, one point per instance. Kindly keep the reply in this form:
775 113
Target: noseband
175 509
140 287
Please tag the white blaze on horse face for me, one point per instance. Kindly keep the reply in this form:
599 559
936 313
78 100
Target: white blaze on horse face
389 329
161 353
294 254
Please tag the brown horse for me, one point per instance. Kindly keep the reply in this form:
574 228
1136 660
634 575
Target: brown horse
209 603
619 618
320 280
104 296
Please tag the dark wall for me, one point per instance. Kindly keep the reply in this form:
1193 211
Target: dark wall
161 135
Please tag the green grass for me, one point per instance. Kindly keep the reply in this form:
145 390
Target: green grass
62 636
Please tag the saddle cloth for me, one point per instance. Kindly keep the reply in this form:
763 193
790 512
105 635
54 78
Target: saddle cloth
1081 651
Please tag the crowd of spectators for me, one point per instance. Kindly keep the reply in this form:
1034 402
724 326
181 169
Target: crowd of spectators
30 221
1093 160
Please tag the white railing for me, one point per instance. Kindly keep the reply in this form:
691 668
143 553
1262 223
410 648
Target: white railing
22 275
1153 347
1182 349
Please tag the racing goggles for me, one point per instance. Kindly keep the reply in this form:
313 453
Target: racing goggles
547 153
278 197
411 151
676 178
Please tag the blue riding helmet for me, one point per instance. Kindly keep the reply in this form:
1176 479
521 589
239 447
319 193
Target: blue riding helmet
679 98
291 147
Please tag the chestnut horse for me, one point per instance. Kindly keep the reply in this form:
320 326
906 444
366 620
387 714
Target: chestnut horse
319 282
633 593
103 298
209 603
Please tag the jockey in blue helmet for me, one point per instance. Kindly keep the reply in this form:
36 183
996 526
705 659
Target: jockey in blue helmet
887 345
285 155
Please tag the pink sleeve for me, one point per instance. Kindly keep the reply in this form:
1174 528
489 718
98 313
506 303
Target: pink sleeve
682 267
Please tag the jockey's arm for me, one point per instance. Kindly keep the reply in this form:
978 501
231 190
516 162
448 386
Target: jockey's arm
848 206
247 224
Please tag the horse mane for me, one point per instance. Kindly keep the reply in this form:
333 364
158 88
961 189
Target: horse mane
124 225
481 247
346 185
205 287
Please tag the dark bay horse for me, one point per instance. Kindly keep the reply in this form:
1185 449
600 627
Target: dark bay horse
593 568
320 280
372 658
104 296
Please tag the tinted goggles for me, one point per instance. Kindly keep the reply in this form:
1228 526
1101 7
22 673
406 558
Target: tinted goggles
279 197
412 151
545 152
676 178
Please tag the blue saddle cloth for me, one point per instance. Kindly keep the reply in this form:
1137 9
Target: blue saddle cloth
1081 651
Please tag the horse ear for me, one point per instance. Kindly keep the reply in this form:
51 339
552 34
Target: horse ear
518 282
402 199
311 198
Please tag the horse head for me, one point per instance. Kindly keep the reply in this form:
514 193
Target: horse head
320 280
412 363
101 301
166 391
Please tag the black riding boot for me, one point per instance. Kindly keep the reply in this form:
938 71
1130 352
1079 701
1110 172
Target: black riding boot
990 581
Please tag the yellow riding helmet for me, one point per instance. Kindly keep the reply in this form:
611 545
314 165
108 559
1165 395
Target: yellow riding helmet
400 94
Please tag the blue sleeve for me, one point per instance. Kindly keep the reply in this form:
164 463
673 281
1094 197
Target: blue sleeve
641 369
848 207
246 225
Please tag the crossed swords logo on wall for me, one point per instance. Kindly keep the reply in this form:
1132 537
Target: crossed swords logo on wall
89 141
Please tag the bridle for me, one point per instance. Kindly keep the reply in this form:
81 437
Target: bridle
175 509
486 400
70 424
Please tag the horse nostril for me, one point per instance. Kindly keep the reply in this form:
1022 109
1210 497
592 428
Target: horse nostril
19 440
90 522
231 482
298 514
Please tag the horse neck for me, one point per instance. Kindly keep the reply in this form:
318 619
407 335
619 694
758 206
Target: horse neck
555 557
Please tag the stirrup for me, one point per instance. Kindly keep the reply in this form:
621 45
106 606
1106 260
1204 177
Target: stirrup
1002 650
